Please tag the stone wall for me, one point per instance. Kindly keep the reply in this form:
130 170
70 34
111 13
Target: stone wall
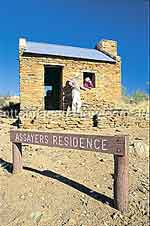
108 118
108 79
105 115
108 47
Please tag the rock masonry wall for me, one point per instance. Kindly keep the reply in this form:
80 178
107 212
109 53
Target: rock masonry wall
100 99
108 79
105 116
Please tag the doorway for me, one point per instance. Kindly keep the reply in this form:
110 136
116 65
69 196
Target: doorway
53 87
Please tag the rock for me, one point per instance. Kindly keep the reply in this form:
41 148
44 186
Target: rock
114 215
131 149
97 186
144 204
72 222
146 186
84 212
117 130
110 188
22 197
120 215
137 138
30 194
36 216
135 170
141 189
82 164
141 149
101 160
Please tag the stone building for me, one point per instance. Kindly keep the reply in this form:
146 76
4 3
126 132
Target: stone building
45 68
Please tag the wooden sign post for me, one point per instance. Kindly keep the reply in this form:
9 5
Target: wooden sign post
116 145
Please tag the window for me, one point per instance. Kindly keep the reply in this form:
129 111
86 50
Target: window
89 75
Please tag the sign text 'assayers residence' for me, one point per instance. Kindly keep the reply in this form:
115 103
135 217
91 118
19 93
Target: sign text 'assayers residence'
99 143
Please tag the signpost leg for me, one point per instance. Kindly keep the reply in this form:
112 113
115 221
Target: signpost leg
17 157
121 182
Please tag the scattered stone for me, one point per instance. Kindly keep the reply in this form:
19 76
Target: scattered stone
114 215
72 222
22 197
144 204
141 149
82 164
30 194
101 160
141 189
131 149
120 215
137 138
36 149
36 216
84 212
106 224
110 188
97 185
137 213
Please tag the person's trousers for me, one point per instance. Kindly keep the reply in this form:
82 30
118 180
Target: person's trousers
76 102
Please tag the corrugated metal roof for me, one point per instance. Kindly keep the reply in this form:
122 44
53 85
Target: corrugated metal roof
66 51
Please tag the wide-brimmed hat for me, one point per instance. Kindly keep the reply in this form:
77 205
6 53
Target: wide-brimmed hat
76 77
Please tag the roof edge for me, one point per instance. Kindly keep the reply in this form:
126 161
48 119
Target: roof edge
49 45
60 56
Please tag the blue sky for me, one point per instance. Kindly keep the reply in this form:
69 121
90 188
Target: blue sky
78 23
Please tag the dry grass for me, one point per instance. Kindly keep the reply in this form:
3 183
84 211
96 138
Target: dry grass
5 100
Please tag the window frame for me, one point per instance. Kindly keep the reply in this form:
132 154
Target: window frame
93 78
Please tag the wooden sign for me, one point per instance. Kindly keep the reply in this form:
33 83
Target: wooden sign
107 144
116 145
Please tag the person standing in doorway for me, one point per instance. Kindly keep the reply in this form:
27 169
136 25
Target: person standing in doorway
76 99
67 90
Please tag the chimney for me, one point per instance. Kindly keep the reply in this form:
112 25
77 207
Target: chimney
109 47
22 43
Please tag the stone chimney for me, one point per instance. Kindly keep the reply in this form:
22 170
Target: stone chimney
109 47
22 43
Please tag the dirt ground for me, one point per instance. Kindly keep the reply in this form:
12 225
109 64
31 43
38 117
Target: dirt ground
69 187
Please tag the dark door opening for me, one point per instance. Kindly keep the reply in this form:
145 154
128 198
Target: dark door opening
53 87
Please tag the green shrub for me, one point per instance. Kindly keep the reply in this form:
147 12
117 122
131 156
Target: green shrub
2 101
139 96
